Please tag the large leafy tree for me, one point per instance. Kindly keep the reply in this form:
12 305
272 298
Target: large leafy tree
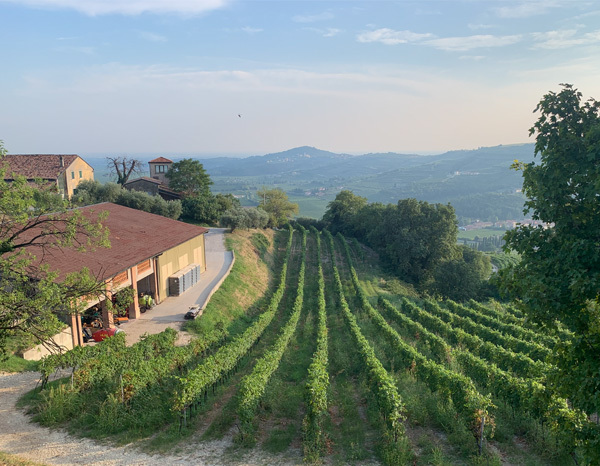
33 299
413 237
189 178
341 212
558 277
275 202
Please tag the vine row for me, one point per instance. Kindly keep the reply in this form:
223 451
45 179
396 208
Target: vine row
195 385
252 387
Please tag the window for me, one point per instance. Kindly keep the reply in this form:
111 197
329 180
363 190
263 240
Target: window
72 175
80 174
160 169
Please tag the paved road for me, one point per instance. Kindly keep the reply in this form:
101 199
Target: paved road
170 312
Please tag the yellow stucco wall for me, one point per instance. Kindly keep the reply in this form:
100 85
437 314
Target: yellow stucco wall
73 172
177 258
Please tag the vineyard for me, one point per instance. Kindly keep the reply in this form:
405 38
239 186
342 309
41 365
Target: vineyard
331 367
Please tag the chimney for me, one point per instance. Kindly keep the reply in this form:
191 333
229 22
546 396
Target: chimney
62 161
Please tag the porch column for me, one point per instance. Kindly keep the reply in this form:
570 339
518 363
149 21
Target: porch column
134 307
107 315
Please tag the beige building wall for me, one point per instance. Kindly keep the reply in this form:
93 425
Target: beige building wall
75 173
177 258
63 339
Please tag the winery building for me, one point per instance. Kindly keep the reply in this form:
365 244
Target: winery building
146 251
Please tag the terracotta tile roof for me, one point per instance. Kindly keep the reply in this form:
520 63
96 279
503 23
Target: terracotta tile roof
143 178
134 237
160 160
32 166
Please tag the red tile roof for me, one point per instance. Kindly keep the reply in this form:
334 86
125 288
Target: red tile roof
160 160
32 166
134 237
142 178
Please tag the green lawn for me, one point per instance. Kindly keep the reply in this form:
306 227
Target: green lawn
482 232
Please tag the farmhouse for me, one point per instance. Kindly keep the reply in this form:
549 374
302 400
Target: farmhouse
63 171
146 250
157 183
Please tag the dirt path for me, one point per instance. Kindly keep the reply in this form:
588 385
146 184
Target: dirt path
19 436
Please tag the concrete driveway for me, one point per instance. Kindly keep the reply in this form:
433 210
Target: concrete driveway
171 311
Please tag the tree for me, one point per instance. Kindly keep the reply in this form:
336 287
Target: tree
239 217
122 167
275 203
558 277
32 299
189 178
413 237
342 211
92 192
208 208
464 276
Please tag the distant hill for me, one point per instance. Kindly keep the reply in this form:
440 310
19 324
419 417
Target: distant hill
479 183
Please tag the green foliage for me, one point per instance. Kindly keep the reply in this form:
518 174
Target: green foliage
93 192
460 389
558 276
32 300
341 212
260 242
189 178
253 386
382 384
411 237
208 208
316 399
463 277
275 203
192 387
239 217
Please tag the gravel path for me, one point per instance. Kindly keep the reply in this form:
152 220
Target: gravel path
19 436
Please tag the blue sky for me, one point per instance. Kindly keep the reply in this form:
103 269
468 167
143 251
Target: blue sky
172 76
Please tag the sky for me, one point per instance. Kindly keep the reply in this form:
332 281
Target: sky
244 77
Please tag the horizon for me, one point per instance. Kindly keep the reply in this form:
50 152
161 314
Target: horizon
243 77
181 155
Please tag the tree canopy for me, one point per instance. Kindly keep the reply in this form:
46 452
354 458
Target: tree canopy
189 178
93 192
415 240
275 203
558 277
32 300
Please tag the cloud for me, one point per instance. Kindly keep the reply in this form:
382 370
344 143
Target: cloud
472 57
251 30
313 18
563 39
390 37
327 32
129 7
475 27
151 37
461 44
525 9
